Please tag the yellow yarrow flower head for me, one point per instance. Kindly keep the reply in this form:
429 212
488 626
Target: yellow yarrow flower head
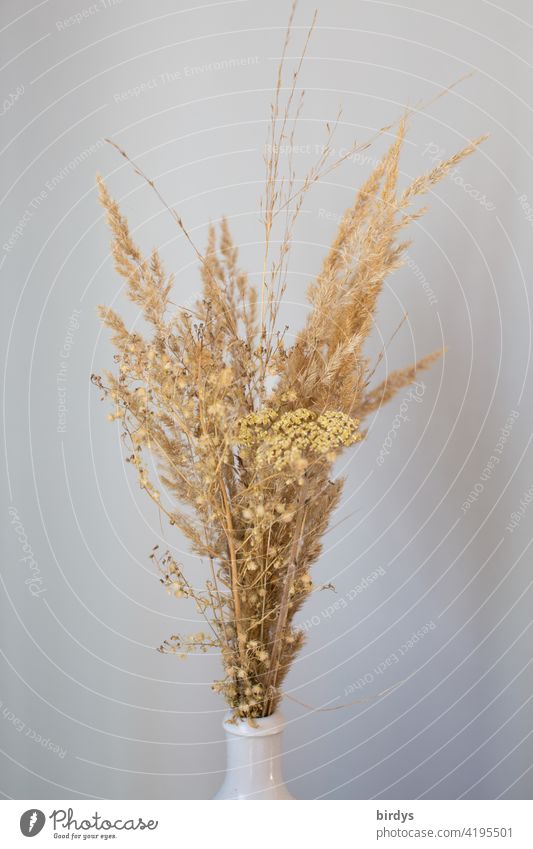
289 439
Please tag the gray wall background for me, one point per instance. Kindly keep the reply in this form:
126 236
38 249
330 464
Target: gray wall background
78 665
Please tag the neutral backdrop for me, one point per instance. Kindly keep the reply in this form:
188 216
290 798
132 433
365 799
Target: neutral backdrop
437 506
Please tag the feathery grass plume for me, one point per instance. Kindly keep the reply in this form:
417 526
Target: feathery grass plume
246 467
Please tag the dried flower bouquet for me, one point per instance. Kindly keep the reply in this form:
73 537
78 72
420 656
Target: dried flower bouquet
245 427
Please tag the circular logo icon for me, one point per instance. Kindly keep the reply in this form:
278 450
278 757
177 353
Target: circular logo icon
32 822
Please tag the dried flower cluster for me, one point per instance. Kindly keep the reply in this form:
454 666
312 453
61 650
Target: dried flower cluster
293 439
246 463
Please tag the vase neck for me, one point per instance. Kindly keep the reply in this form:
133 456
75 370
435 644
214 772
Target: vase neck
254 763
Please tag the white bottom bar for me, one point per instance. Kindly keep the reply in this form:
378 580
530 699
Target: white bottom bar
190 824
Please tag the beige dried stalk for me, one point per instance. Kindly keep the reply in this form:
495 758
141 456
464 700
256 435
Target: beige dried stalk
246 472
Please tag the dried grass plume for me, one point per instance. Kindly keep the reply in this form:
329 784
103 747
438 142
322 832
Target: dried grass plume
246 462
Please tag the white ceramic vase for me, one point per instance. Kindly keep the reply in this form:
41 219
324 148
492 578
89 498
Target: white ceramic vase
254 755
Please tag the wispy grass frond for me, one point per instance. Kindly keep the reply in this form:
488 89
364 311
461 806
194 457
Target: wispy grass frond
246 462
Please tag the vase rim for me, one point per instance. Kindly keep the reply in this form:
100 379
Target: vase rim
264 725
